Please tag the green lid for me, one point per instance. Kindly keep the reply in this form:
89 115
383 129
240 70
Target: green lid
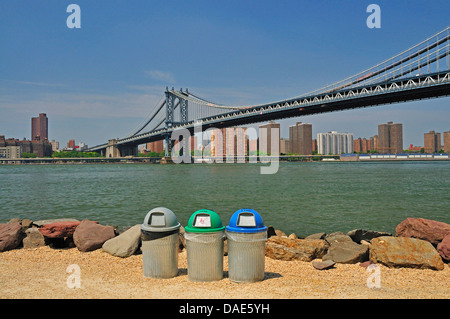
204 221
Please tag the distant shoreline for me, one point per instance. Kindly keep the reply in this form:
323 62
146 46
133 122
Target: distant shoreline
364 158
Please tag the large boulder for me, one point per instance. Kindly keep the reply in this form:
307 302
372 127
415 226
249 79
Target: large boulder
367 235
443 248
34 238
59 229
89 235
344 250
125 244
284 248
421 228
10 235
405 252
347 252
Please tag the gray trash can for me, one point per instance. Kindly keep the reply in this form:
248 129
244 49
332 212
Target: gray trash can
246 236
204 236
160 235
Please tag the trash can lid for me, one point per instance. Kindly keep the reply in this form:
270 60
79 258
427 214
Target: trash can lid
160 219
204 221
246 221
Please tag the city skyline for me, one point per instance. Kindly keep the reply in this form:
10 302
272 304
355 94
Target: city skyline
100 81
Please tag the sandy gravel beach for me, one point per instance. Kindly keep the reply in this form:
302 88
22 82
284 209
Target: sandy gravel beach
42 273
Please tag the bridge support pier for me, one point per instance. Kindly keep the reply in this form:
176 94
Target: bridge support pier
129 150
112 150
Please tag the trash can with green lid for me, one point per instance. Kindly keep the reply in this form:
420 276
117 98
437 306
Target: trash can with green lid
160 235
246 238
204 236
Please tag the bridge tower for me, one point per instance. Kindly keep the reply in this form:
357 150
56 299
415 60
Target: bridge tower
172 102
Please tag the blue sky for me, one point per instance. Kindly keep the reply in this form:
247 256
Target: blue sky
102 80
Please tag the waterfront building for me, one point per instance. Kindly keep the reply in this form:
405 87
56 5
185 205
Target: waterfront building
334 143
156 146
300 137
390 138
265 138
71 144
55 145
432 142
447 142
362 145
39 127
10 152
40 148
229 141
284 146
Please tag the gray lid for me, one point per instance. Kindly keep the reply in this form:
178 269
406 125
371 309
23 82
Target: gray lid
160 219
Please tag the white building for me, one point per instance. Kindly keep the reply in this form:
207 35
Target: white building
334 143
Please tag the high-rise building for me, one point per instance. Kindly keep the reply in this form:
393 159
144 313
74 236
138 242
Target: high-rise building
300 137
55 145
39 127
156 146
447 142
71 144
334 143
432 142
231 141
265 138
362 145
390 138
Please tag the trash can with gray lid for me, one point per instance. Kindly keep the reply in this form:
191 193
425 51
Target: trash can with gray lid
160 235
204 236
246 238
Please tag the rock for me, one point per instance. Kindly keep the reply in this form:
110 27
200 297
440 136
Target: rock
34 238
270 231
405 252
59 229
40 223
443 248
338 237
26 223
357 235
323 265
421 228
10 235
284 248
89 235
280 233
293 236
316 236
345 251
125 244
366 264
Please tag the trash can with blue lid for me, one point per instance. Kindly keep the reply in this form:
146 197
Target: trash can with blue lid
246 236
204 236
160 239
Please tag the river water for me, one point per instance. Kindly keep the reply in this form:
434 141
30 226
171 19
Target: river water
302 198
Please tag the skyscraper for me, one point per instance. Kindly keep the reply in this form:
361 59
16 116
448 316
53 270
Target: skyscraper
300 137
390 138
265 138
39 127
432 142
447 142
334 143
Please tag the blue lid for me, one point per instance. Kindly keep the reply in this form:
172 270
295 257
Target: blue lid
246 221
